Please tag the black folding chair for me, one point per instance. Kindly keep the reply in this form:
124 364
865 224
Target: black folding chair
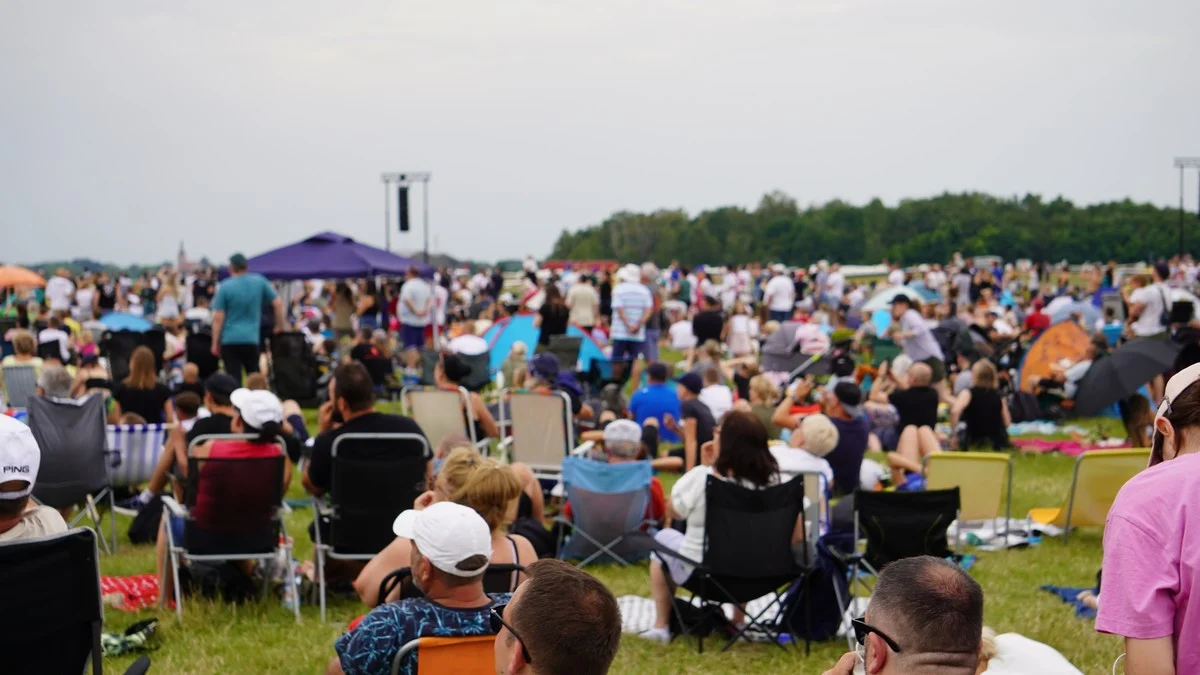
75 458
52 592
293 368
900 525
748 552
479 375
198 350
241 517
502 578
373 478
566 349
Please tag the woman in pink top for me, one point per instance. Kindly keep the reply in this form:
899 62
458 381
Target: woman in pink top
1151 548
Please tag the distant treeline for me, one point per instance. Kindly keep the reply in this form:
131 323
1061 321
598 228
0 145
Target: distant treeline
915 231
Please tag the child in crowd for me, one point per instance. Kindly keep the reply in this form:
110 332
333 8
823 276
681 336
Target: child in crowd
411 370
718 397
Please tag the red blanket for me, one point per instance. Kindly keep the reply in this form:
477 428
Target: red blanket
130 593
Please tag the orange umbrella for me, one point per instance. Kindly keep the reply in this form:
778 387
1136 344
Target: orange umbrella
12 275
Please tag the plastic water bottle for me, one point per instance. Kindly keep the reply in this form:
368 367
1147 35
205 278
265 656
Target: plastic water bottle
784 639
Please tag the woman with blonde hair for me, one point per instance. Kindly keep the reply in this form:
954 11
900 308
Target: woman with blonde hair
168 302
466 478
764 396
141 392
24 353
982 409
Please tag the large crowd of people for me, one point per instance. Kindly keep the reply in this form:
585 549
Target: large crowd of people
690 390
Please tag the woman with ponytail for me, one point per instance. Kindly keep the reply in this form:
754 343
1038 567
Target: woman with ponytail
259 413
1151 550
466 478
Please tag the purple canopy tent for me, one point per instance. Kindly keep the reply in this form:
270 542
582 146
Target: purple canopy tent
330 255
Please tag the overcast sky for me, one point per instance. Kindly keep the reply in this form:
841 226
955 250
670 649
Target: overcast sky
128 126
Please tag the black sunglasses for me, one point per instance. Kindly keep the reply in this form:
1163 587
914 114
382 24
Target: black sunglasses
498 622
862 630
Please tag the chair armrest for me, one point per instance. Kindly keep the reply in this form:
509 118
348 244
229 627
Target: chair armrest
650 543
583 449
321 508
506 442
176 509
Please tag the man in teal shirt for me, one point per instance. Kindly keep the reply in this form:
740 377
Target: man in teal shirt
237 316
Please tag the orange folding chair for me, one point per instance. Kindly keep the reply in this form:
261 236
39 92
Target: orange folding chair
446 655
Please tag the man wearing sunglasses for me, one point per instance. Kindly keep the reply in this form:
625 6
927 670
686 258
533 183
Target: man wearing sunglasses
451 548
560 620
925 617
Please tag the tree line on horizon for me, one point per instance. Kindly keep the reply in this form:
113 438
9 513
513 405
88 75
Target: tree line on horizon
914 231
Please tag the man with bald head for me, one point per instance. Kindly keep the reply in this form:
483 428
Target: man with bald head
925 618
916 403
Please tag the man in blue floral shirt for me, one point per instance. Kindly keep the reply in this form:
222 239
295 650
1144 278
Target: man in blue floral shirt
451 548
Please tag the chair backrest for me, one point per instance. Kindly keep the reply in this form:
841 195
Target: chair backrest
50 350
566 348
816 506
137 448
542 430
440 655
20 385
901 525
480 374
1099 475
374 477
293 367
607 500
984 479
198 350
748 532
118 345
440 413
234 502
52 587
71 435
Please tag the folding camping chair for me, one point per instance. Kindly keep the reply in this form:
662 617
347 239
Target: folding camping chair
607 500
901 525
135 450
440 413
984 480
373 478
566 349
480 374
242 524
1098 476
198 350
439 655
499 578
51 350
74 469
748 551
20 385
52 591
292 368
542 431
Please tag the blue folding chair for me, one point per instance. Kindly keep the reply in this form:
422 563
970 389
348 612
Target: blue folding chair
607 502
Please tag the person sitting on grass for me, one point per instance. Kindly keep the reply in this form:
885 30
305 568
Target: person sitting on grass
257 413
451 546
764 394
466 478
916 404
807 447
718 397
983 410
695 427
739 454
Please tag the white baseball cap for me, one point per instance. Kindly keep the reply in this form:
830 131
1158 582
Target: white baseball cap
622 430
446 534
257 406
20 457
1175 386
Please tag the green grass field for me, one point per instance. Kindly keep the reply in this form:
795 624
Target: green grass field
261 637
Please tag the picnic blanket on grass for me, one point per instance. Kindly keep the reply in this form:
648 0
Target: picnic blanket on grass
1068 595
130 594
1069 448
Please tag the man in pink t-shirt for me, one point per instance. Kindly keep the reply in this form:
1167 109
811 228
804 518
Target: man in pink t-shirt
1152 547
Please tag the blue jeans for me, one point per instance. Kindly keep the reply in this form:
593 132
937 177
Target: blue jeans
780 316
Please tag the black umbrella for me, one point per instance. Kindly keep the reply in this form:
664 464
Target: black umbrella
1119 375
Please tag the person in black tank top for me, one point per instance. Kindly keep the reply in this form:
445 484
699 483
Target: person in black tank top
982 410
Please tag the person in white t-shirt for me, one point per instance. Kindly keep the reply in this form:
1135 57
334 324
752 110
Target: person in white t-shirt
53 332
738 453
468 344
896 276
780 294
1147 305
682 337
60 290
716 396
835 285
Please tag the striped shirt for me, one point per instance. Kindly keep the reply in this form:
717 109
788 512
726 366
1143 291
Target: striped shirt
635 301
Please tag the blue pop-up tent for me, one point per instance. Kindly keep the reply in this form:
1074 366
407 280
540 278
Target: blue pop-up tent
519 328
330 255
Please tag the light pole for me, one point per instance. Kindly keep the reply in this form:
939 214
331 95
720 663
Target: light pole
1183 163
404 180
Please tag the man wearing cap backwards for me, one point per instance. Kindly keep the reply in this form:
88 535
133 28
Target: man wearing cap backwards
695 425
843 406
237 317
451 548
632 307
19 461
